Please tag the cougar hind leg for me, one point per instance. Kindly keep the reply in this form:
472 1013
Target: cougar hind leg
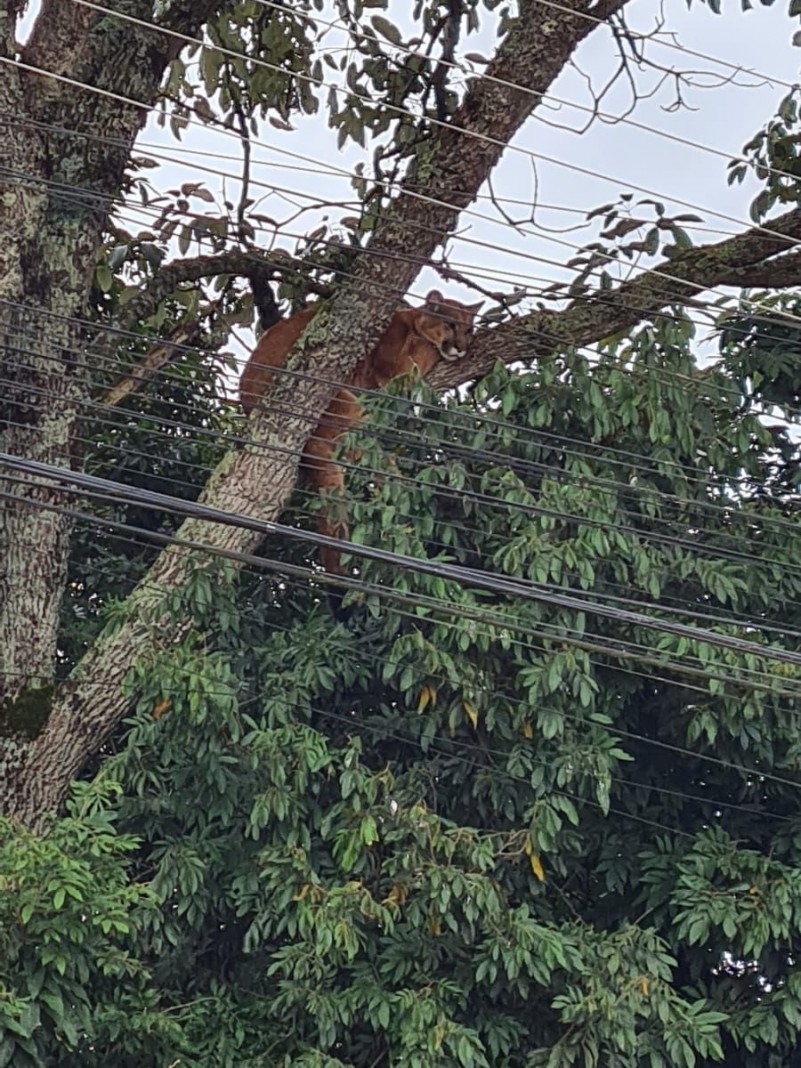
325 475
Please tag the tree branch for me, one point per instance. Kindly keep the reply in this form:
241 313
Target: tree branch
784 272
246 263
154 361
736 261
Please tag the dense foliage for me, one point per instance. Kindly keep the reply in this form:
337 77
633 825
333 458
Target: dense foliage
540 814
465 828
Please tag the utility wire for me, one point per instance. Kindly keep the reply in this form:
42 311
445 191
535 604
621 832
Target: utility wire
771 313
650 38
537 333
143 106
478 497
279 566
277 68
711 309
483 76
644 37
621 650
463 576
504 754
675 605
728 512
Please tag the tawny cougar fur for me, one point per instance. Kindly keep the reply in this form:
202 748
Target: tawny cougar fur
415 338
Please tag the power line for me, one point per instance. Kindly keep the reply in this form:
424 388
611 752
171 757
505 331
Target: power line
272 564
664 44
412 193
472 453
297 571
609 452
683 606
258 62
463 576
712 309
619 650
666 602
479 497
596 298
599 298
491 79
694 545
752 623
483 137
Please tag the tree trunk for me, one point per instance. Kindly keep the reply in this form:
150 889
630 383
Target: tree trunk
63 154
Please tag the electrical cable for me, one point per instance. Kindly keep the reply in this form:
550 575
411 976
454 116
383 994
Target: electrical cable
674 604
539 433
562 8
772 313
479 497
256 61
504 754
620 649
411 193
493 583
471 454
611 729
483 76
270 564
614 303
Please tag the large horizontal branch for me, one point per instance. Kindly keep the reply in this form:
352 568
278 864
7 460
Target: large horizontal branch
783 272
737 261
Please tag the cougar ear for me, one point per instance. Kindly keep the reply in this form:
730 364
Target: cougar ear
435 302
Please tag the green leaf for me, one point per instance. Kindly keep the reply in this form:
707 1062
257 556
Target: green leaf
386 29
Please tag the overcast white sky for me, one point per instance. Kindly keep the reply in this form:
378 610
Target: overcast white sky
725 117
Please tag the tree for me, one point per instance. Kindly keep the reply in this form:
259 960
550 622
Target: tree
559 779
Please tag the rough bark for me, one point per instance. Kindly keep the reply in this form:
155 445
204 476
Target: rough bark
737 261
533 53
50 241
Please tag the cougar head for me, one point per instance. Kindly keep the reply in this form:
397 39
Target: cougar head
447 324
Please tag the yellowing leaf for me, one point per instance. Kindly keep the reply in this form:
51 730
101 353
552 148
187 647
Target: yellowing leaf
472 713
161 708
534 859
299 896
397 895
645 985
536 866
527 730
434 926
425 697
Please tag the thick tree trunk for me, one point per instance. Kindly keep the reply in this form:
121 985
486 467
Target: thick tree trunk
63 154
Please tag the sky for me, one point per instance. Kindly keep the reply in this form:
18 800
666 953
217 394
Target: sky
719 120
